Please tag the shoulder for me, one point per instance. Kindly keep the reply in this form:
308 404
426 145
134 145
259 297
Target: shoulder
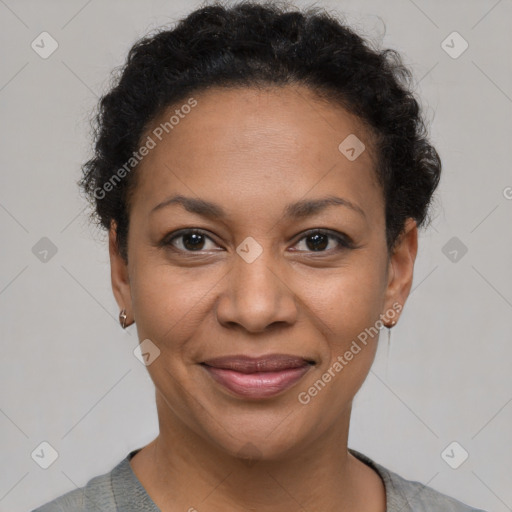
412 496
423 498
118 489
97 494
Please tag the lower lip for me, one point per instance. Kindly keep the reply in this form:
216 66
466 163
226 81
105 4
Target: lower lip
257 385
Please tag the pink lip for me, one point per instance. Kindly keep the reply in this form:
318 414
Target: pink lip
260 377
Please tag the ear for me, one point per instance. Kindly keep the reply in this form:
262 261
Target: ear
401 267
119 274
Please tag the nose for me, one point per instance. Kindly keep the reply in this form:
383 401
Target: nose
256 295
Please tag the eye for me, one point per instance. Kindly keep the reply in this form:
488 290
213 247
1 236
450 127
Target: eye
317 240
188 240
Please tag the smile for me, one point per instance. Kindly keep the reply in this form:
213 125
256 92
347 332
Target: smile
257 378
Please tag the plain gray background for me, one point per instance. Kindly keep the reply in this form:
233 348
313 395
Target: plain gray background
68 373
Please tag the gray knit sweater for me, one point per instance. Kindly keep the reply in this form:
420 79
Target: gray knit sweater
120 491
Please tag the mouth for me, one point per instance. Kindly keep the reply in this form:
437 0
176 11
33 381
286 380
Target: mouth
257 378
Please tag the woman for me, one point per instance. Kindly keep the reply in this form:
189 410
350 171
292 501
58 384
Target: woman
262 173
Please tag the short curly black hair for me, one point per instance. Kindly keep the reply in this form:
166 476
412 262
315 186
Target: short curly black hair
251 44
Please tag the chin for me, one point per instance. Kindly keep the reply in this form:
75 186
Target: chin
267 437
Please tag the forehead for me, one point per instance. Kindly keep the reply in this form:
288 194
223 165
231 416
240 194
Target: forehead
242 144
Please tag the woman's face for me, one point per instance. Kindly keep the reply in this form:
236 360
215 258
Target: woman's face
254 282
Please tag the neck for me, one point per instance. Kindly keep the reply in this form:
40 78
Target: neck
181 470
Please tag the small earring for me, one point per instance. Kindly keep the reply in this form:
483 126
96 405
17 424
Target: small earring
122 318
389 343
389 331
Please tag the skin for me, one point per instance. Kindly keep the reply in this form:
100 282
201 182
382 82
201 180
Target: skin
253 152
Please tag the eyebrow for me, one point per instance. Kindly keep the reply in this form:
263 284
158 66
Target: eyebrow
300 209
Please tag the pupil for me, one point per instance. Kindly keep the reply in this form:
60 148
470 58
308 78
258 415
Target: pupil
317 244
196 243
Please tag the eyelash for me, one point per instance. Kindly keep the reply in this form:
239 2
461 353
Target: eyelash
343 241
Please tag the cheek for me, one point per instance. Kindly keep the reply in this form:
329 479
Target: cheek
166 299
348 300
348 307
169 301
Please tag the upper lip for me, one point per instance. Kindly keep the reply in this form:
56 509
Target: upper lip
248 364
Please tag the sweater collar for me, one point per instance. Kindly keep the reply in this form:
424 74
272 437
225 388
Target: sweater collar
131 496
